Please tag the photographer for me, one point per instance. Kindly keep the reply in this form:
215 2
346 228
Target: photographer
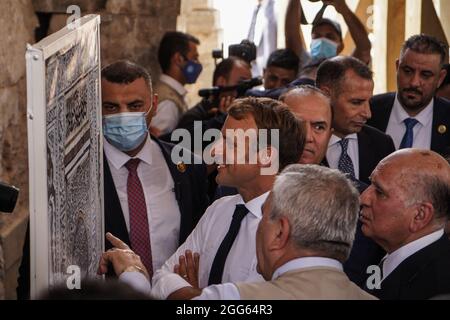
229 72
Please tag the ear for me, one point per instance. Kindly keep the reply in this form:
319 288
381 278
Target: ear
178 58
268 161
442 76
422 217
397 64
326 90
221 81
155 103
340 47
282 230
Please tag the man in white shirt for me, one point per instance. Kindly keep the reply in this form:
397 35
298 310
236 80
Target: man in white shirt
414 116
226 257
178 58
354 147
149 200
302 240
405 211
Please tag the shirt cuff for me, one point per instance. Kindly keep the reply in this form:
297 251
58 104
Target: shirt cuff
167 284
137 281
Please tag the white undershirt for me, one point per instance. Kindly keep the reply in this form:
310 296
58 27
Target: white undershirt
162 208
334 152
422 130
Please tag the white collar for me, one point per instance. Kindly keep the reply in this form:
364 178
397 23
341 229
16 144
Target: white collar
393 260
335 139
307 262
118 158
424 117
254 206
174 84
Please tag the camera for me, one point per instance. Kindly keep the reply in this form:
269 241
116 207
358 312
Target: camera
241 88
246 50
8 197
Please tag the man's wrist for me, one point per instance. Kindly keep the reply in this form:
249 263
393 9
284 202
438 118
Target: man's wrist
135 268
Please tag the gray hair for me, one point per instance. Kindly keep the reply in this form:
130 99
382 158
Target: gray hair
322 207
432 188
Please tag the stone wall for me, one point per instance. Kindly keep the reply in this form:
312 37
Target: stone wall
17 22
199 18
129 30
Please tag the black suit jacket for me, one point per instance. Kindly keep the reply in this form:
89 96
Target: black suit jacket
373 147
190 192
423 275
381 107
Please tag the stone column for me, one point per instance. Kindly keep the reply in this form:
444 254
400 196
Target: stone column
17 22
200 19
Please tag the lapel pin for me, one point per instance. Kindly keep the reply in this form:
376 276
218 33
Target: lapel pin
181 167
442 129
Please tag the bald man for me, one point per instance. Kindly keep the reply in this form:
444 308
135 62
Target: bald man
405 211
313 107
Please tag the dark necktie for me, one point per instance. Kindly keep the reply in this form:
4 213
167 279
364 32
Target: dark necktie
345 164
407 141
215 276
139 228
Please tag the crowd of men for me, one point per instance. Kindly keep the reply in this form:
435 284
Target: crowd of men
363 181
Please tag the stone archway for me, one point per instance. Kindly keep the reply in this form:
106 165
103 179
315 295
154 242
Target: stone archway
199 18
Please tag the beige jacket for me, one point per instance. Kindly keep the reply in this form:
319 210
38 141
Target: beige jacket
315 283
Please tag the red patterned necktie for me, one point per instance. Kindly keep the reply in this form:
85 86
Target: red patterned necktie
139 228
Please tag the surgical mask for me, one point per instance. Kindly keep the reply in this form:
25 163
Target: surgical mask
191 71
323 48
125 131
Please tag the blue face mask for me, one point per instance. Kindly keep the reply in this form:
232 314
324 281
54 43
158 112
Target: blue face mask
125 131
191 71
323 48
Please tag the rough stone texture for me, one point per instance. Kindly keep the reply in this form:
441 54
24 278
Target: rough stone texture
201 20
130 31
61 6
162 9
17 22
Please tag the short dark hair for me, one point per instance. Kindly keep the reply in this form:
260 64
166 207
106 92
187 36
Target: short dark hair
426 44
171 43
223 69
284 58
332 71
125 72
446 81
273 114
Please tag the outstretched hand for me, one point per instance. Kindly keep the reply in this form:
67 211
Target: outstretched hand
121 257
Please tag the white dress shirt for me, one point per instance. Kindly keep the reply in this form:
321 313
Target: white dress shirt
240 265
162 207
229 291
334 152
393 260
167 115
422 130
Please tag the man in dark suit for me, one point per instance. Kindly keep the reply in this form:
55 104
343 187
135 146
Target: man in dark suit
414 116
355 148
149 199
168 209
409 224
